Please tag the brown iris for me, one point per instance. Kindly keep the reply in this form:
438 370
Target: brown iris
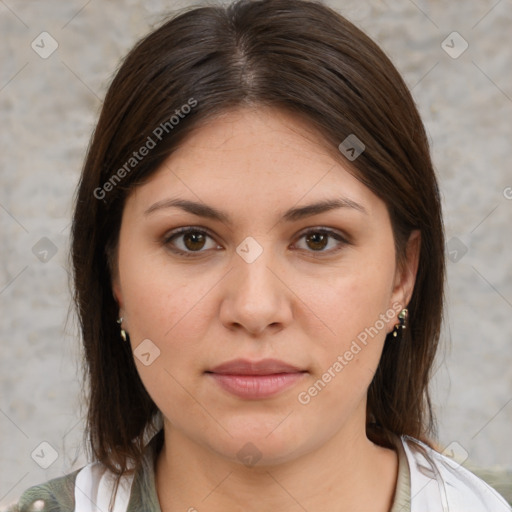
317 238
197 240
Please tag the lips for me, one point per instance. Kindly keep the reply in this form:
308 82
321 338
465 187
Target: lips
246 367
255 379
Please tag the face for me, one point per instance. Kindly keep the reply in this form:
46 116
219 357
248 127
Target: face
263 324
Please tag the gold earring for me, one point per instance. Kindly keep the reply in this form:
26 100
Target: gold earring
123 332
402 322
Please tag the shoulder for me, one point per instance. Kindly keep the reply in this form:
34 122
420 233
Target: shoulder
52 496
437 480
93 483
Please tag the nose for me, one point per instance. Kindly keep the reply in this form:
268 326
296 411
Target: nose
255 295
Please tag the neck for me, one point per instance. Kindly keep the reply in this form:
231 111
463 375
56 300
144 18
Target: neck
347 473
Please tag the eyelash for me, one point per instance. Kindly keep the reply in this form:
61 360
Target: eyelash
191 254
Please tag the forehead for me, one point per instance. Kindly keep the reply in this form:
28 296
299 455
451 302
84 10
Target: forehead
255 134
265 158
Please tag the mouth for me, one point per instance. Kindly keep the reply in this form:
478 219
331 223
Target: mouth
256 379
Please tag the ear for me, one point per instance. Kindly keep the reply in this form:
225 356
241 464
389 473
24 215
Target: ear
117 291
406 271
115 282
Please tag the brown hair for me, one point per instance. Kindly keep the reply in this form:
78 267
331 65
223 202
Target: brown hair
291 54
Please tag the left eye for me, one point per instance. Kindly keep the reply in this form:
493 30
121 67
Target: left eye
319 239
193 240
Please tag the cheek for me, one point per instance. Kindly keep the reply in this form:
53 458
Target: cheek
355 310
351 300
167 309
159 300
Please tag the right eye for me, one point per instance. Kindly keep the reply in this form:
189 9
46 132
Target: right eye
192 241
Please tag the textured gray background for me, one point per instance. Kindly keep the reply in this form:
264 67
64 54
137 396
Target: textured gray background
48 108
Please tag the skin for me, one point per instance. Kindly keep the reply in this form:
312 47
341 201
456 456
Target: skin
301 301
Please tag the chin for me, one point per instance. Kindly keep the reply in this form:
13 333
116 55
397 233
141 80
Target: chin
261 443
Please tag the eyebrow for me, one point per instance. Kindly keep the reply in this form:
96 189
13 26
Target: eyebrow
293 214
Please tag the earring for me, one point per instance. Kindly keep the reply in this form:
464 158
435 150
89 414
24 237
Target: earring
402 322
123 332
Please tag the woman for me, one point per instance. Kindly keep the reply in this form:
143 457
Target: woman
258 260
